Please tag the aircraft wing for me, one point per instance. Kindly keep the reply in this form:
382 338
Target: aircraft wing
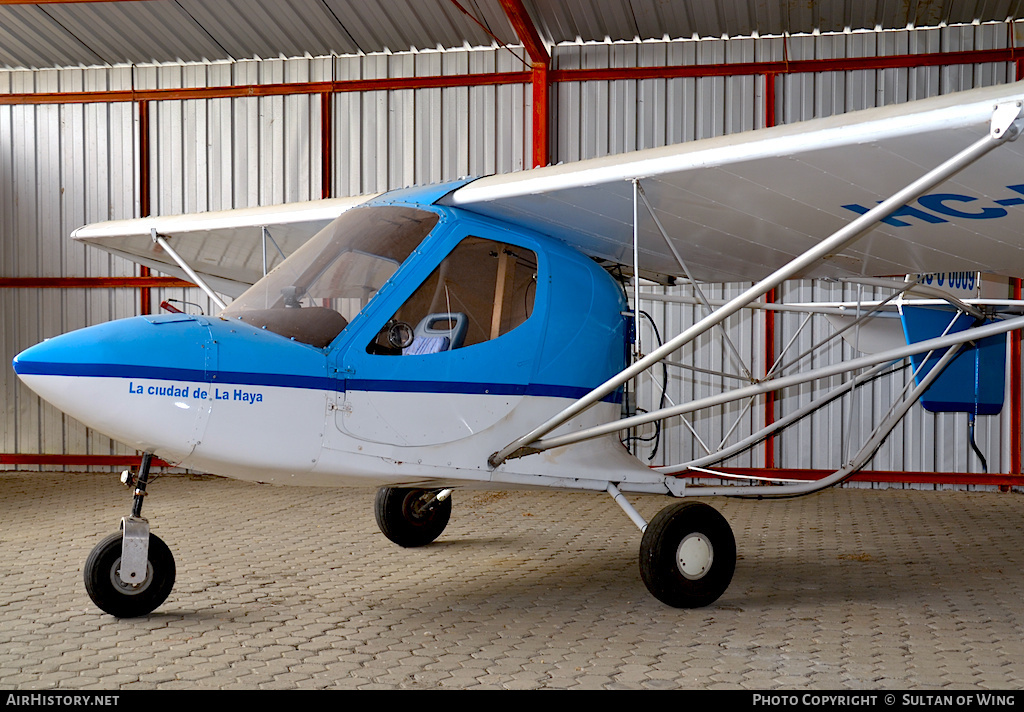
224 247
738 206
735 207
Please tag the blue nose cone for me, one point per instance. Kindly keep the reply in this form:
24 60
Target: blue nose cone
137 380
162 384
174 346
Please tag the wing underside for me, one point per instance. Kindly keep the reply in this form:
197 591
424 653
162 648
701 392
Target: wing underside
738 206
734 207
229 248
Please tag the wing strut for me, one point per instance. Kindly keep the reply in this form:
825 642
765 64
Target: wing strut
1005 126
638 191
861 458
265 234
158 239
936 344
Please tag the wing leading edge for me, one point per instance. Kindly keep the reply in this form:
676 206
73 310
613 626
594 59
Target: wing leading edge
735 207
738 206
224 247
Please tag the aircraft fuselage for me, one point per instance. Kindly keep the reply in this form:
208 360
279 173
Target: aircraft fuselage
510 327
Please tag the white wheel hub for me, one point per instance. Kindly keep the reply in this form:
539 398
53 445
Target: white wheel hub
128 588
694 556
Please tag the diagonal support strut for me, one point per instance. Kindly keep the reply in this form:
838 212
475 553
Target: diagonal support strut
1005 125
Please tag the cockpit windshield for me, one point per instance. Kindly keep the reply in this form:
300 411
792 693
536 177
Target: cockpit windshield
312 296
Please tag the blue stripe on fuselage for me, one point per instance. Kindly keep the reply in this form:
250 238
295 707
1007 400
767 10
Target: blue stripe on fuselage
161 373
466 387
236 378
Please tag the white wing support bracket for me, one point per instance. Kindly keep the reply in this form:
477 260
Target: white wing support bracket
1005 125
159 240
1007 121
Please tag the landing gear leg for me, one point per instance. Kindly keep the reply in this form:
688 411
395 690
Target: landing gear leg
687 554
131 573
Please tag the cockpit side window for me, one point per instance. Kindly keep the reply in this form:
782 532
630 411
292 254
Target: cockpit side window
482 290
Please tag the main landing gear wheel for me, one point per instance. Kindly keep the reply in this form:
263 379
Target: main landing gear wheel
412 517
687 555
107 590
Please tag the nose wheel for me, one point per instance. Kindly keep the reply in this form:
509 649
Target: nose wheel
131 573
412 517
104 584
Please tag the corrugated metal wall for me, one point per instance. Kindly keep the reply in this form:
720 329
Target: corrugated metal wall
65 165
392 139
215 154
59 166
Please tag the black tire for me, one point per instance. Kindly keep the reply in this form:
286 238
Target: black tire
411 517
688 555
106 589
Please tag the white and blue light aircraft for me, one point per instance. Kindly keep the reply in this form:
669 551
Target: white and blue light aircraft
471 334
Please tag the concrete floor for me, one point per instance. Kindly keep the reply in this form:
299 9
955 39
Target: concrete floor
295 588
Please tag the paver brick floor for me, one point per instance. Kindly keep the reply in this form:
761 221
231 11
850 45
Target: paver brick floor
295 588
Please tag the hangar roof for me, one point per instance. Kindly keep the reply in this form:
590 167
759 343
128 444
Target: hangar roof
54 33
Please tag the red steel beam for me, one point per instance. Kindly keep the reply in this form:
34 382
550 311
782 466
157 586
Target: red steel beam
251 90
958 478
526 30
952 478
326 144
66 2
769 397
540 77
145 297
541 86
144 174
769 314
845 64
91 282
81 460
501 78
1016 417
1016 422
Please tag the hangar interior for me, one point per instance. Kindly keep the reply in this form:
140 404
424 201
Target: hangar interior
126 108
